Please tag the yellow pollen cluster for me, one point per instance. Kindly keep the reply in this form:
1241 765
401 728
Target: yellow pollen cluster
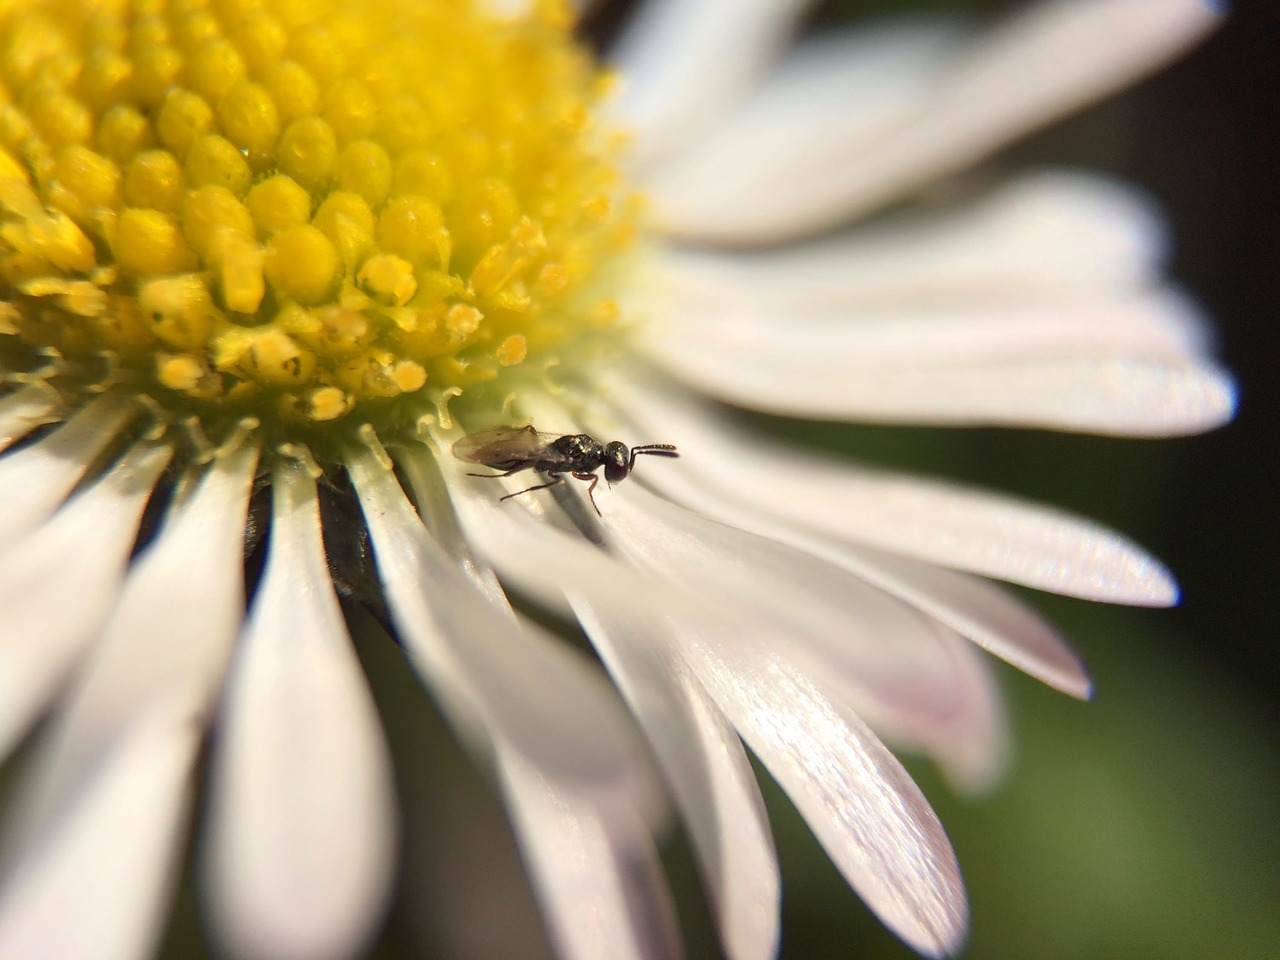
297 208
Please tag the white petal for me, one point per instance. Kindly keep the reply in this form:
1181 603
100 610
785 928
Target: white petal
579 790
1107 396
23 410
971 747
965 731
597 877
1057 56
60 582
532 555
988 616
976 610
709 774
947 524
99 822
88 889
830 101
168 638
150 670
685 61
1038 239
892 664
539 560
534 693
300 843
931 913
35 479
836 345
962 726
1120 369
1050 60
890 659
870 817
983 533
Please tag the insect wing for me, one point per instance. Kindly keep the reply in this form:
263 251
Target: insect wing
504 446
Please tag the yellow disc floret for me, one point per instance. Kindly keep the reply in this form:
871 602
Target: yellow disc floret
298 210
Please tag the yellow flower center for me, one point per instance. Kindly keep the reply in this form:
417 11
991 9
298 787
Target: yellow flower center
300 209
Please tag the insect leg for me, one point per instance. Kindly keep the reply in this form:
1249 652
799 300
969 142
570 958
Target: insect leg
506 473
556 480
591 489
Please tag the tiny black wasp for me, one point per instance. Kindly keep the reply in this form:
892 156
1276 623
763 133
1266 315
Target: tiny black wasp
512 449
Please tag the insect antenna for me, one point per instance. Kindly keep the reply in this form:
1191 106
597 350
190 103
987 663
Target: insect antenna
653 449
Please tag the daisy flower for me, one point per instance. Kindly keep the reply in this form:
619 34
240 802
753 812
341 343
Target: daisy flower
266 262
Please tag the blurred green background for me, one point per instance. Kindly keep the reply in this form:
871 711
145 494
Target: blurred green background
1141 826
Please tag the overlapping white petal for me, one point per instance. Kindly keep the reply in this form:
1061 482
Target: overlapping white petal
1146 327
971 745
965 731
991 618
978 611
870 817
956 718
686 61
717 803
517 684
59 583
779 170
88 892
113 778
889 658
578 788
300 844
1039 239
961 726
708 772
1125 367
942 523
37 478
831 98
708 602
1034 307
596 873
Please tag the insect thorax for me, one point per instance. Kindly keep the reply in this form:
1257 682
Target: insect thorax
581 452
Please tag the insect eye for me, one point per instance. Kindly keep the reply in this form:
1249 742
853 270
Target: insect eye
616 466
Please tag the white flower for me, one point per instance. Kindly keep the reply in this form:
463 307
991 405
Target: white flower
748 590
